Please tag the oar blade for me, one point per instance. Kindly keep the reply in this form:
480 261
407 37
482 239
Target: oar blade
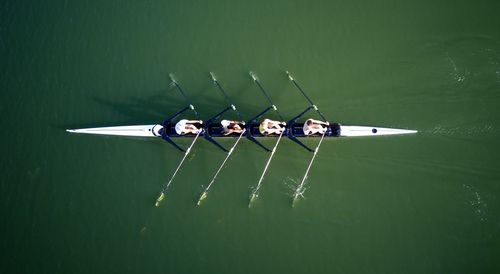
295 199
213 77
253 196
160 199
203 196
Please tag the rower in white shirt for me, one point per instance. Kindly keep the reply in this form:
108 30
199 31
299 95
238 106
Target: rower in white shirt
312 127
229 127
271 127
185 126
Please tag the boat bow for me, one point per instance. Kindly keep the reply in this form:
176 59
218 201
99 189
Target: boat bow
358 131
135 131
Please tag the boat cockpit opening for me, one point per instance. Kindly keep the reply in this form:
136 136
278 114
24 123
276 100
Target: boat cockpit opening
157 130
169 130
335 129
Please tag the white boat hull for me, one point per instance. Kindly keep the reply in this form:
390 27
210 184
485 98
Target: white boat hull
359 131
133 131
154 131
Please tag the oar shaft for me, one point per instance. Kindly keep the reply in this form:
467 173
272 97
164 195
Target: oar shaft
220 87
225 160
179 88
305 95
263 91
225 95
181 162
256 80
268 162
297 192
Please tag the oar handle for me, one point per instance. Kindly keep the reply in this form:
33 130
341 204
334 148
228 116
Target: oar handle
305 95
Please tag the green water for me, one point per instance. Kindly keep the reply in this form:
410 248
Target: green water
428 203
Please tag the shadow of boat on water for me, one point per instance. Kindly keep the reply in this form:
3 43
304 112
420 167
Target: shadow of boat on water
161 105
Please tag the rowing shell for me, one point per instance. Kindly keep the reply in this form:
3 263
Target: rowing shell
215 130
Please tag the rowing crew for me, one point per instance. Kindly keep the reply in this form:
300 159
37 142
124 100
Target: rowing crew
311 127
184 127
266 127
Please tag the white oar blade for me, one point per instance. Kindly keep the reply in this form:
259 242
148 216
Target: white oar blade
160 199
202 197
252 198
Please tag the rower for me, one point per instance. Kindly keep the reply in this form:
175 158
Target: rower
229 127
312 127
184 126
268 127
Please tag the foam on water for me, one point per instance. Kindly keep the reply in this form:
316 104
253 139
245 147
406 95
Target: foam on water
476 202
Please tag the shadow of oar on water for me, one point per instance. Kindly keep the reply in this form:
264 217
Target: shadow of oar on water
142 109
159 107
291 186
133 110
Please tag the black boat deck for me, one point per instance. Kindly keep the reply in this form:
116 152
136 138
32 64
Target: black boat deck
215 130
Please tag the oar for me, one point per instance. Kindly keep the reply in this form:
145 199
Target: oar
300 190
205 192
164 190
165 186
255 192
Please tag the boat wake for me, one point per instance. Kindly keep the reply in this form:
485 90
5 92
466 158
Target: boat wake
462 131
457 75
292 184
478 205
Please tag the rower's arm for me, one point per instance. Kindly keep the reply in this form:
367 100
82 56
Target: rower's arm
319 122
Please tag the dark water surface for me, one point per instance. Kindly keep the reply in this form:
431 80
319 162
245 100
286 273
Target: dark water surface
428 203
